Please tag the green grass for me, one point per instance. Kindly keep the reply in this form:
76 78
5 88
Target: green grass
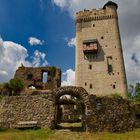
40 134
71 124
46 134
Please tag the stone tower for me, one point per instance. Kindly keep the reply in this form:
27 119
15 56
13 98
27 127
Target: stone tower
99 58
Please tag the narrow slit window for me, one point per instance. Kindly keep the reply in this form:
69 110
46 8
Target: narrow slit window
90 86
90 67
114 86
109 65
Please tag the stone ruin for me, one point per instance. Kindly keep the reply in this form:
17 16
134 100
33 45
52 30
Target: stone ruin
50 108
95 113
44 78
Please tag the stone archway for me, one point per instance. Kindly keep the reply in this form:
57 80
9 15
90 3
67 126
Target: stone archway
79 93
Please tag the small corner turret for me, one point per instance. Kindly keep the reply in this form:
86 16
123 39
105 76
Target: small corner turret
110 4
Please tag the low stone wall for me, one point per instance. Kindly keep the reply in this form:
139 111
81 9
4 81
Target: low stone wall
111 114
27 108
99 114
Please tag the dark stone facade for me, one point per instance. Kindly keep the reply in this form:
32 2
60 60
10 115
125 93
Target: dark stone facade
98 114
34 77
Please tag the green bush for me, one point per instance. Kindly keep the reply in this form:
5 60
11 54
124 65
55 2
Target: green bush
137 97
116 95
14 87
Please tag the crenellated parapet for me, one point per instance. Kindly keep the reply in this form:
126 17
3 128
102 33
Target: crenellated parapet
109 11
94 18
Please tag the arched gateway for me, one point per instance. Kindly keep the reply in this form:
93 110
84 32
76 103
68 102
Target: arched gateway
75 95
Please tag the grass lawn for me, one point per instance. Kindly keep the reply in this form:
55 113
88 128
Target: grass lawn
46 134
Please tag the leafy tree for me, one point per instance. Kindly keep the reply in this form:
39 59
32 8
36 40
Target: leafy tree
7 89
14 87
137 87
137 96
135 93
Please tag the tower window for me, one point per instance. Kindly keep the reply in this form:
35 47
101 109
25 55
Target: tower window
29 76
110 69
114 86
90 67
102 37
85 83
93 25
109 64
90 86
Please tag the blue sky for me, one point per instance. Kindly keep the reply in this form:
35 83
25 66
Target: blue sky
42 32
22 19
42 20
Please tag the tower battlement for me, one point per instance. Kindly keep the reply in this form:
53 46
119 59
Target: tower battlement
108 11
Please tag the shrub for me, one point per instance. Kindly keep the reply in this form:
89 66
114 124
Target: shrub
116 95
14 87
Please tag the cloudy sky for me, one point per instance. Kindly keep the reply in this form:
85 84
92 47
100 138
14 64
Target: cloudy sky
42 32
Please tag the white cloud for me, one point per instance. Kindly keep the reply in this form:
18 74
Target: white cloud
73 6
12 55
35 41
68 78
38 58
61 3
71 42
2 72
132 65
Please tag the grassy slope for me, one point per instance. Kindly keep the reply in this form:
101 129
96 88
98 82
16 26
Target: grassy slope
45 134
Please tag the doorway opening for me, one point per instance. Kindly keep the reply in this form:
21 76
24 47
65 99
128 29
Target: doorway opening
70 113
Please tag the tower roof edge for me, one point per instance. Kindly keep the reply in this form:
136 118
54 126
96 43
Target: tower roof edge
110 3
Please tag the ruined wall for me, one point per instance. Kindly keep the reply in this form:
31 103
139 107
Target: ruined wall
111 114
34 77
27 108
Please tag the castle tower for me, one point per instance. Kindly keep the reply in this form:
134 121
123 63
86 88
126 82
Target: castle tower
99 58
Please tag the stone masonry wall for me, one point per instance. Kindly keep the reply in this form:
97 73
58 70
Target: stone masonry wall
34 77
27 108
93 68
111 114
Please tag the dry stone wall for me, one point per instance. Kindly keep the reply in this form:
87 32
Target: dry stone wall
111 114
27 108
114 115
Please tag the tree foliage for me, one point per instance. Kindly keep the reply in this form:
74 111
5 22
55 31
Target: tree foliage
14 87
136 96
